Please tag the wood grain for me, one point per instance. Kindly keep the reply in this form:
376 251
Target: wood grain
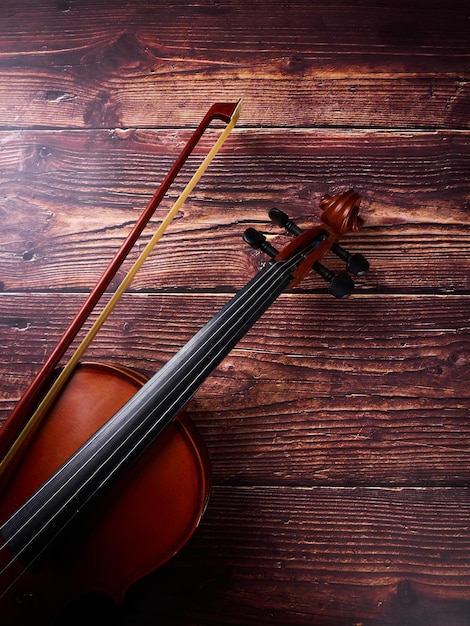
281 556
63 190
372 391
295 64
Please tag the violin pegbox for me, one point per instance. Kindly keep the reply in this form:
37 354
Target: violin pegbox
340 214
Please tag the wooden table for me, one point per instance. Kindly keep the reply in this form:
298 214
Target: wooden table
338 429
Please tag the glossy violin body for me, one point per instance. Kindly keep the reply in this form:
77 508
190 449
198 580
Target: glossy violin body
138 524
115 480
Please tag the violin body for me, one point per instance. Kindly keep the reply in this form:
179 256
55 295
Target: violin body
142 520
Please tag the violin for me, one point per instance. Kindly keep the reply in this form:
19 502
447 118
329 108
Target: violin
115 479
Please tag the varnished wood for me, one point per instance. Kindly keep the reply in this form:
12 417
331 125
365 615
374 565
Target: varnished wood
338 432
106 551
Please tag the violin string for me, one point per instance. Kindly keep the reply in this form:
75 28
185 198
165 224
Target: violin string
40 530
168 411
136 399
277 269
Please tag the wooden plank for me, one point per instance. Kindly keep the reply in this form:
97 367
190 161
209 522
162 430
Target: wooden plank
368 65
70 198
53 99
370 391
326 557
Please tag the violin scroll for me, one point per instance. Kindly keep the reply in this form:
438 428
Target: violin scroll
340 214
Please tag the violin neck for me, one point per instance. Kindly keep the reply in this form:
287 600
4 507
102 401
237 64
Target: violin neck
130 431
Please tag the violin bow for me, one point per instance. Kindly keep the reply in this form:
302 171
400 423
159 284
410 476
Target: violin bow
18 427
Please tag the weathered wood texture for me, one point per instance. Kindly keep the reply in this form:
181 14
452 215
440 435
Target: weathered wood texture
64 189
341 460
368 392
295 63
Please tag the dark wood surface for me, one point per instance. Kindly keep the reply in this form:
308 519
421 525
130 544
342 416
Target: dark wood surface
338 430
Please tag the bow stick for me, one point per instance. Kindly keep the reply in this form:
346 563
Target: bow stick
18 426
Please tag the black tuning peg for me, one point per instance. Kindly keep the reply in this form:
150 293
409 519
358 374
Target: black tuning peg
341 285
355 263
258 241
283 220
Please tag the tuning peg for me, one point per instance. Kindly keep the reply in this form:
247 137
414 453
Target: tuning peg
341 285
355 263
258 241
283 220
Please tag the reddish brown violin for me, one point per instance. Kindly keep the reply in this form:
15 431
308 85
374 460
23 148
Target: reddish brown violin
115 479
